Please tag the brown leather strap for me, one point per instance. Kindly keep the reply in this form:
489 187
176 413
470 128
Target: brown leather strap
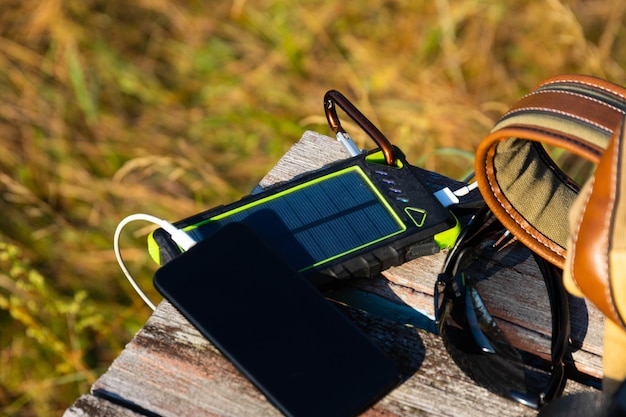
595 266
523 186
597 244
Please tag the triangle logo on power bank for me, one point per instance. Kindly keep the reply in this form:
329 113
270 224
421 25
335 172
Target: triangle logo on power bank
418 215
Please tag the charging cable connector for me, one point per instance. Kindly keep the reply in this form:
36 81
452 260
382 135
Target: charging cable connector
447 197
179 236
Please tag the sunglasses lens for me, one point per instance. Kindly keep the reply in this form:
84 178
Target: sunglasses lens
493 321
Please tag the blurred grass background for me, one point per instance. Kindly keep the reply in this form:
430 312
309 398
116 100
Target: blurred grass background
108 108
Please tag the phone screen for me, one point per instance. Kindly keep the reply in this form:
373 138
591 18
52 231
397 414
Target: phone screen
304 354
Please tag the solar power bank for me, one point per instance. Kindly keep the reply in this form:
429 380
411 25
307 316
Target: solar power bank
303 353
354 218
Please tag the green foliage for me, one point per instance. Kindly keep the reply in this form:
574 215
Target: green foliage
62 328
108 108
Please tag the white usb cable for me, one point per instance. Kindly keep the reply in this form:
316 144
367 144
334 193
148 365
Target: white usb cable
179 236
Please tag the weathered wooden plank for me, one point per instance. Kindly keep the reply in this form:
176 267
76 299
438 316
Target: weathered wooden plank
89 405
170 369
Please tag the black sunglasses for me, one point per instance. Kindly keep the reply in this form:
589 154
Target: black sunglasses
471 293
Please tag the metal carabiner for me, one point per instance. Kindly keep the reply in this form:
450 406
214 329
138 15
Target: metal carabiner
333 97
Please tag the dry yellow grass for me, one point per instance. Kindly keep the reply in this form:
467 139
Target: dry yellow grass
170 107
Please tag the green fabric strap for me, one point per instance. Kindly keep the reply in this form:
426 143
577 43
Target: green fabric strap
521 183
532 188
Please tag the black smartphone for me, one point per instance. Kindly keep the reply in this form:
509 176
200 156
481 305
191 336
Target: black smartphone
354 218
303 353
